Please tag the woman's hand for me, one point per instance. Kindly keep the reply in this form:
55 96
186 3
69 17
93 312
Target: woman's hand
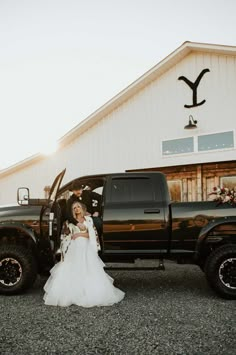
77 235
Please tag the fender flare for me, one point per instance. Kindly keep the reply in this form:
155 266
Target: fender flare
211 225
19 227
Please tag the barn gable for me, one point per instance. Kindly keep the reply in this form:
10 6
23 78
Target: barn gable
144 126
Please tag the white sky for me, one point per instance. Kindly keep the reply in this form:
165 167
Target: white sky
60 60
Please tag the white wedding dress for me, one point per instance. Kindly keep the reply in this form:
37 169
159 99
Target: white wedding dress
80 278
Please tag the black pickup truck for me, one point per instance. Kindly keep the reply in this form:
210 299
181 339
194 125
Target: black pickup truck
139 222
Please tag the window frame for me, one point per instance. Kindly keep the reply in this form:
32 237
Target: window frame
196 145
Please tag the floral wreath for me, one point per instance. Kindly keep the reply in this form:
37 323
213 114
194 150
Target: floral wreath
224 195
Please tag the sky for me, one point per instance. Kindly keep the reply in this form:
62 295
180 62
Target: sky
61 60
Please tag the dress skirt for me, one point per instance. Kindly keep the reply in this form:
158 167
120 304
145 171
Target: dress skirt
80 279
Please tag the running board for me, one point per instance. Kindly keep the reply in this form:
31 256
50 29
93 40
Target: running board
161 266
134 268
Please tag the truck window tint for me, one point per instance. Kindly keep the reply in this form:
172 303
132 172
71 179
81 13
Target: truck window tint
127 190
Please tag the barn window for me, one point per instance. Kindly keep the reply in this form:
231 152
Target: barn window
228 181
178 146
216 141
175 190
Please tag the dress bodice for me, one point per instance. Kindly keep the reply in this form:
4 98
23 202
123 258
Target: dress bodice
85 227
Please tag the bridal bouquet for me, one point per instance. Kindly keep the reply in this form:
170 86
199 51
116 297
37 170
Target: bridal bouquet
224 195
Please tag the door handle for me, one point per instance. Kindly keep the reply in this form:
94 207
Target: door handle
152 210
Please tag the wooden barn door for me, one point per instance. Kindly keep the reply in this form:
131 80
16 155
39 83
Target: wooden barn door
189 189
209 182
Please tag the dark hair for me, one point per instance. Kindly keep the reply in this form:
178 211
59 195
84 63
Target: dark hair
76 185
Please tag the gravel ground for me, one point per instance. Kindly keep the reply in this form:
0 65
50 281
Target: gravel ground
164 312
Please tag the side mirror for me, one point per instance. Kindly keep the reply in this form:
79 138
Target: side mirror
23 196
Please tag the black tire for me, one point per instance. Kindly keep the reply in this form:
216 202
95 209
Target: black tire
220 271
18 269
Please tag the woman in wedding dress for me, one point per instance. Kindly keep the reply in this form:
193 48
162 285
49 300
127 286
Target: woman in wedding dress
79 278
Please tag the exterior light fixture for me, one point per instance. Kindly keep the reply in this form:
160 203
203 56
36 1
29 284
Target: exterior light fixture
191 123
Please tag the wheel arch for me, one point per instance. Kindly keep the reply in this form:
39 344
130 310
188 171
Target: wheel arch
217 233
17 230
220 271
19 234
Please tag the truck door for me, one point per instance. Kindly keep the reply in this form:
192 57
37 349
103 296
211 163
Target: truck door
51 212
134 217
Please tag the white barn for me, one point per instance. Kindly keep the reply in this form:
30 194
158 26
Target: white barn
144 127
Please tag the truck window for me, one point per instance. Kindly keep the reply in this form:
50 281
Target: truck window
132 189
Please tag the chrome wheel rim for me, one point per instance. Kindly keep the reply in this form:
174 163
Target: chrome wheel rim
227 273
10 272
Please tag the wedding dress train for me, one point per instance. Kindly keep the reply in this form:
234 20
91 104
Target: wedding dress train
80 278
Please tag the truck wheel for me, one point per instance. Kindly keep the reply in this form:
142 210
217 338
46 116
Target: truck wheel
18 269
221 271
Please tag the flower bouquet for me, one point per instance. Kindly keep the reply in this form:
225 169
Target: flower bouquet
224 195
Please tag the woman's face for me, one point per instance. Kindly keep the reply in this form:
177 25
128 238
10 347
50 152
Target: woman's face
77 209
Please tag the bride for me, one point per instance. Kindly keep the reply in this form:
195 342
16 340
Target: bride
79 278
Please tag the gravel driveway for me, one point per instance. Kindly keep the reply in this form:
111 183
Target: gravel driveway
164 312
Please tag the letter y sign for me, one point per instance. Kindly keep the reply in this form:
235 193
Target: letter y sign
194 86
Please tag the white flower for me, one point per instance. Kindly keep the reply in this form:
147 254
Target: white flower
224 195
